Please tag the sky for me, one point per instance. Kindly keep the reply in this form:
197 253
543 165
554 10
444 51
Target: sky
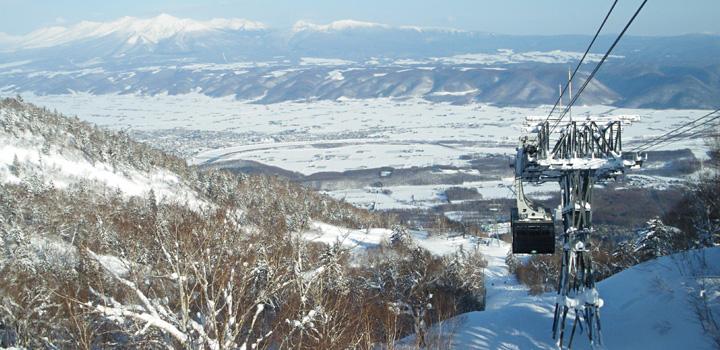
514 17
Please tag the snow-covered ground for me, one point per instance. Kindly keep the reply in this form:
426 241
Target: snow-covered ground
426 196
649 306
64 169
502 288
335 136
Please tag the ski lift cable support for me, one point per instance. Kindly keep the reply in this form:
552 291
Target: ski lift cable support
584 152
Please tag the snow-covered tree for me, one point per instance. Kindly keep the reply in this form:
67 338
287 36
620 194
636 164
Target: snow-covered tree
465 279
698 213
655 240
512 262
332 270
400 236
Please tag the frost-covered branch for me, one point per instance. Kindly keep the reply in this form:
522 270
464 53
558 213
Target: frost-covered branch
117 314
116 311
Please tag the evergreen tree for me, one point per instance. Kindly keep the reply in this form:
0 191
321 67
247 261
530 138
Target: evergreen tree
656 240
400 236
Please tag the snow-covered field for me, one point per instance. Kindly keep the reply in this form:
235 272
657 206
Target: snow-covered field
323 136
407 197
406 126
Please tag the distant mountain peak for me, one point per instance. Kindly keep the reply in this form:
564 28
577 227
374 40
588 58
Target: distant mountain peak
335 26
136 30
161 27
348 24
236 24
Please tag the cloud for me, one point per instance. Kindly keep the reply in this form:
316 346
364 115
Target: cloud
60 20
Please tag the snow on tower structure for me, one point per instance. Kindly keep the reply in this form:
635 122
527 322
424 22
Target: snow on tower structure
584 152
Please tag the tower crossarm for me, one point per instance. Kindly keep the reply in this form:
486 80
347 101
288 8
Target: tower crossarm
586 145
588 140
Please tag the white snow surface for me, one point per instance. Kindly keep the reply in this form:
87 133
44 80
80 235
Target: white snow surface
136 29
356 134
351 239
64 167
645 307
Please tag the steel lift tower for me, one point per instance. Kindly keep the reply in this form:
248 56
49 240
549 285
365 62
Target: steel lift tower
585 152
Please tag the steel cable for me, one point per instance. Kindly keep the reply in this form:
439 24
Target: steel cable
589 78
581 60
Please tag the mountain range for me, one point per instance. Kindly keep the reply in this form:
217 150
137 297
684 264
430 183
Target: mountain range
355 60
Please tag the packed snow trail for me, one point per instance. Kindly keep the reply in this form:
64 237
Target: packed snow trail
500 286
648 306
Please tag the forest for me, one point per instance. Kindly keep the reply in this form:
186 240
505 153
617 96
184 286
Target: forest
85 265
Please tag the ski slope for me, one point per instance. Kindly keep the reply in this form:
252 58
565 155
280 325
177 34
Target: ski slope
649 306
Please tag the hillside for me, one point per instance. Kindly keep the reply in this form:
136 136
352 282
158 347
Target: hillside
59 153
108 242
655 305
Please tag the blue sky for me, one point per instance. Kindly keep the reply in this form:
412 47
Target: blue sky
518 17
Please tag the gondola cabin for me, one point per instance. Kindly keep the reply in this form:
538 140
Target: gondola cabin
532 236
533 228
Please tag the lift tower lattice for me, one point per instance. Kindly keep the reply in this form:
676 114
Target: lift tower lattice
586 152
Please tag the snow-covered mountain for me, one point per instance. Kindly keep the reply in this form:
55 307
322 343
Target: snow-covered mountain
133 30
251 61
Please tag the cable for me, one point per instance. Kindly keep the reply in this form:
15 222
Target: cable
669 133
687 136
587 81
701 131
581 60
677 132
